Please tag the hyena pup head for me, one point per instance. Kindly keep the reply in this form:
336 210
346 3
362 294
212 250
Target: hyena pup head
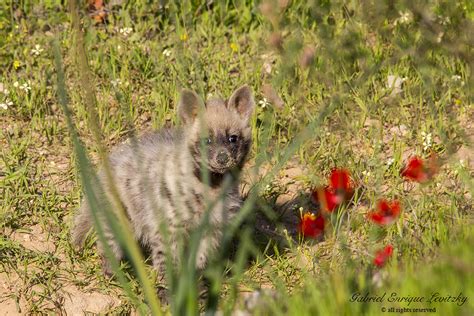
219 127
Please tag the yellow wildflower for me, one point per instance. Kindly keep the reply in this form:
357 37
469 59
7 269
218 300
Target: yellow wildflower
183 37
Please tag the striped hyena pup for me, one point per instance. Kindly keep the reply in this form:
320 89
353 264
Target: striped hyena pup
160 178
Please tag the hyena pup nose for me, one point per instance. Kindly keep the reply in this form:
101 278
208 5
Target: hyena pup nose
222 157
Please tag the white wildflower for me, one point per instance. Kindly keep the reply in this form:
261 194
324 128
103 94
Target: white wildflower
7 103
390 162
126 31
37 50
167 53
405 18
264 103
456 78
16 84
116 82
427 140
25 87
444 20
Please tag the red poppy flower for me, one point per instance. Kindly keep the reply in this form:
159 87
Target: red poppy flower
420 170
327 198
311 225
386 212
382 256
338 191
340 180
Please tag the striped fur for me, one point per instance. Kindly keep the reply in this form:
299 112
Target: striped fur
160 180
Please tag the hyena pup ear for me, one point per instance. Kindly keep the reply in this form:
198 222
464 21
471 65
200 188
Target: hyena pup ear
242 101
189 105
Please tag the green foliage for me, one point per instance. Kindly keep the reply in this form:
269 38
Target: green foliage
329 64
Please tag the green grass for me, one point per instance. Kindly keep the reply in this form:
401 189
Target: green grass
338 112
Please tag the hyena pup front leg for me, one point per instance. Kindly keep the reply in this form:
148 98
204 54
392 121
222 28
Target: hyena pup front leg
158 256
208 244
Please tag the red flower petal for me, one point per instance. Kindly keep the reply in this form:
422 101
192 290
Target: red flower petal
386 212
420 170
338 191
340 180
414 170
332 199
327 198
382 256
311 225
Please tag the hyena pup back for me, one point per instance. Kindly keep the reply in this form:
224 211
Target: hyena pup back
172 177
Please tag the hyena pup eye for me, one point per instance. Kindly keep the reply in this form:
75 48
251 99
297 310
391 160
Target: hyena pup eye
233 138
